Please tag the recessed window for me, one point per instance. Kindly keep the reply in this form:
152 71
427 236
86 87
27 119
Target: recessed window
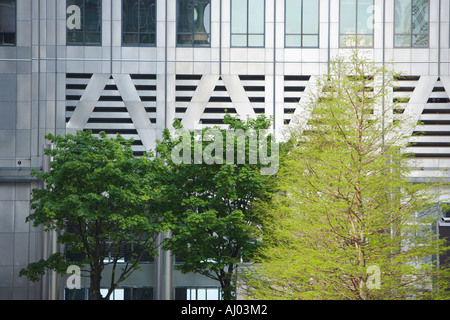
84 22
139 22
7 22
412 23
247 23
356 23
302 23
194 22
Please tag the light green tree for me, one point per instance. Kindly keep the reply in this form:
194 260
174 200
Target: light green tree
346 223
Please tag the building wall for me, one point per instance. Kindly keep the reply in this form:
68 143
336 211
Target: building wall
49 86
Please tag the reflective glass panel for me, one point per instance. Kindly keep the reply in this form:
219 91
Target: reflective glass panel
194 22
403 16
419 40
311 41
302 23
255 40
256 16
293 16
348 17
365 16
84 22
239 40
412 23
402 40
311 16
139 22
239 16
356 23
247 23
293 40
420 17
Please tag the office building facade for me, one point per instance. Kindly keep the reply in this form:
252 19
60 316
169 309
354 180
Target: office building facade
133 66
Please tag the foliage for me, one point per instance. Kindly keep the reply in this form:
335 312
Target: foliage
344 203
101 200
214 222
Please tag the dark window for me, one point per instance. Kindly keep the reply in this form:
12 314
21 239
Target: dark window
194 22
7 22
84 22
76 294
141 293
139 22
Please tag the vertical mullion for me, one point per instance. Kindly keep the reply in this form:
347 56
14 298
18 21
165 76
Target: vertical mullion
139 23
356 26
83 31
248 22
301 27
411 27
191 26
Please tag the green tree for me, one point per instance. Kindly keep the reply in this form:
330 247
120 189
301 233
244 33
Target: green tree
101 201
212 201
346 222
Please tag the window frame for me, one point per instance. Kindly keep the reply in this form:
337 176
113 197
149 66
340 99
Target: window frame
138 33
195 289
2 43
411 45
356 34
193 44
247 34
301 34
83 32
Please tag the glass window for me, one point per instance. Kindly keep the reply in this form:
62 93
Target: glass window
247 23
356 23
7 22
194 22
76 294
411 23
198 293
139 22
302 23
126 253
118 294
138 293
84 22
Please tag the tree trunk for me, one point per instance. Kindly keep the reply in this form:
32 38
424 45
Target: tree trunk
95 281
228 289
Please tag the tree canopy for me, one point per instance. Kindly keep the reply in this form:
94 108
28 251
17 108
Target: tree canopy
346 221
102 202
215 224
